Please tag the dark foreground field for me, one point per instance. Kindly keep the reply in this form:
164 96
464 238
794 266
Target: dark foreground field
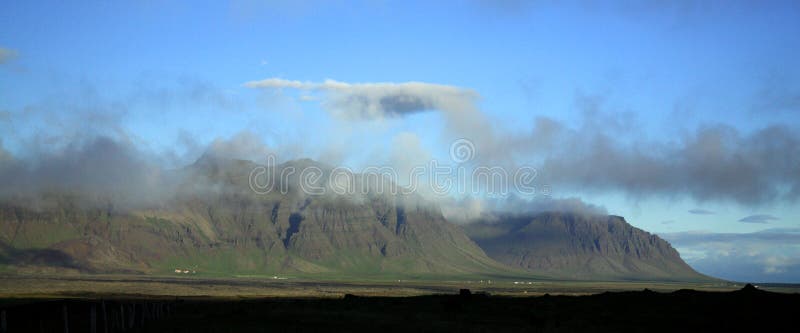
642 311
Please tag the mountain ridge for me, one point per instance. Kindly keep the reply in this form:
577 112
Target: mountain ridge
580 246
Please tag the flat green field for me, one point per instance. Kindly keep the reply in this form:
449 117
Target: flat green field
80 286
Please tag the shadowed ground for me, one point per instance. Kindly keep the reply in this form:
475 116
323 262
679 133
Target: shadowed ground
91 305
640 311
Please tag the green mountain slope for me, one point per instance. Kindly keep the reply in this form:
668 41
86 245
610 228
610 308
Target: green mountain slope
215 224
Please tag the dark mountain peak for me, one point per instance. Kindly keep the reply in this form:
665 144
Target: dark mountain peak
750 289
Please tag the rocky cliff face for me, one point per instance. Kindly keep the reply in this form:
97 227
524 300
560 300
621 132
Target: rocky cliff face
578 246
216 225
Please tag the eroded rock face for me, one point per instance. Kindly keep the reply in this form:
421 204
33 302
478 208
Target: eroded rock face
580 247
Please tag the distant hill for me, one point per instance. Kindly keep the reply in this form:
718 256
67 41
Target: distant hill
577 246
215 224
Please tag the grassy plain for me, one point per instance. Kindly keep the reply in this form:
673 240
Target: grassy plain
250 286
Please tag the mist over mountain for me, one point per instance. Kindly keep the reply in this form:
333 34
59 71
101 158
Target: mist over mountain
215 222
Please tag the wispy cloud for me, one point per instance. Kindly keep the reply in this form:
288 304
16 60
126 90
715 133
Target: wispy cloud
700 211
758 218
376 100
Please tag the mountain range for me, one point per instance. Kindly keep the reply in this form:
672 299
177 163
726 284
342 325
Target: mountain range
212 223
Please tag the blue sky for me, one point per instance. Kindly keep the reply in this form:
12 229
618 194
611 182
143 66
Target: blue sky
167 73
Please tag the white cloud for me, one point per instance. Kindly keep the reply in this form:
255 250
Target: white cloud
379 99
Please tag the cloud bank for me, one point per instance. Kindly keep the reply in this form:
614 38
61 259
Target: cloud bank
101 170
771 255
601 152
713 162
